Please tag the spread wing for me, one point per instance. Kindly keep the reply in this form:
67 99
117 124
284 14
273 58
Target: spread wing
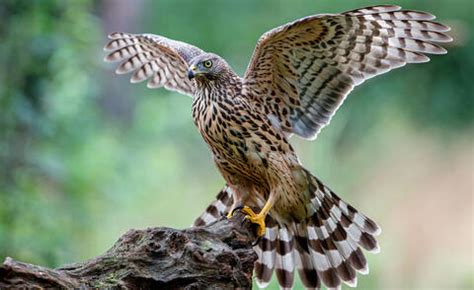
163 62
300 73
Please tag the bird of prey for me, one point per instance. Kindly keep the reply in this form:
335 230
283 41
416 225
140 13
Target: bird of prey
298 76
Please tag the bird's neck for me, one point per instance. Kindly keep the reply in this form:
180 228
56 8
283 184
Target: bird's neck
224 87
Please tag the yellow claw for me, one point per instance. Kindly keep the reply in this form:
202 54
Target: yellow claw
258 219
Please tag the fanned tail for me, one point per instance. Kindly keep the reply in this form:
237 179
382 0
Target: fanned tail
325 249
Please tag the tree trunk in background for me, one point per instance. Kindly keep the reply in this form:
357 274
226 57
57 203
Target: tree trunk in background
217 256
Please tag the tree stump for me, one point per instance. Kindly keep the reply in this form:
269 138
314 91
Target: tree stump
219 255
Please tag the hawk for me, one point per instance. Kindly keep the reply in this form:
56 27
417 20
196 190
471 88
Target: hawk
299 75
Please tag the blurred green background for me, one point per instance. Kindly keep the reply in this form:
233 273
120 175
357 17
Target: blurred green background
85 156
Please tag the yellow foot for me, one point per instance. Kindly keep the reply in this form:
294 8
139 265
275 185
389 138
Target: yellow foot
258 219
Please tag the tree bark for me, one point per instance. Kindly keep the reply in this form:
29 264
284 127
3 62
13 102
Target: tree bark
216 256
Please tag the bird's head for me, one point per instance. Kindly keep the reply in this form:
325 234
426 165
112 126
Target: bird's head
207 66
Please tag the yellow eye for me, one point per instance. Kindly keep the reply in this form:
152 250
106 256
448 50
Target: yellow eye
207 63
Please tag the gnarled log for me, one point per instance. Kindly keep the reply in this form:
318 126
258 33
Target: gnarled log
216 256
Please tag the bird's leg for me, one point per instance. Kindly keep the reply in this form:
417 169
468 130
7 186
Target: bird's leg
259 218
237 204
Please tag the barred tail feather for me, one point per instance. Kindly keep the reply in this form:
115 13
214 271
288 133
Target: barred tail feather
275 254
266 253
218 208
304 261
337 231
325 249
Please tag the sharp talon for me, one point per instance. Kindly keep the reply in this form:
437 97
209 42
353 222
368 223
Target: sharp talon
231 213
257 241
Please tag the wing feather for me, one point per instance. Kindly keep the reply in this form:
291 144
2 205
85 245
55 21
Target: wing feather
309 66
163 62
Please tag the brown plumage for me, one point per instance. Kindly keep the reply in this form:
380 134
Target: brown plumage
298 77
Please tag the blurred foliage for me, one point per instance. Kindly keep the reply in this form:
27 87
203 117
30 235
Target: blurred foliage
47 108
84 155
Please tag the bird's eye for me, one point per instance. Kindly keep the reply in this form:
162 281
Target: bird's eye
207 63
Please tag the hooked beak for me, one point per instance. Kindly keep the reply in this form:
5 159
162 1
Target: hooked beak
192 72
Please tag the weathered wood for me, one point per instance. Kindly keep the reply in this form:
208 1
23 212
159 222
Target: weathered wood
216 256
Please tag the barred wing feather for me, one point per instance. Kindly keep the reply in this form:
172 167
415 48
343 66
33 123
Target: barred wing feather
301 72
163 62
